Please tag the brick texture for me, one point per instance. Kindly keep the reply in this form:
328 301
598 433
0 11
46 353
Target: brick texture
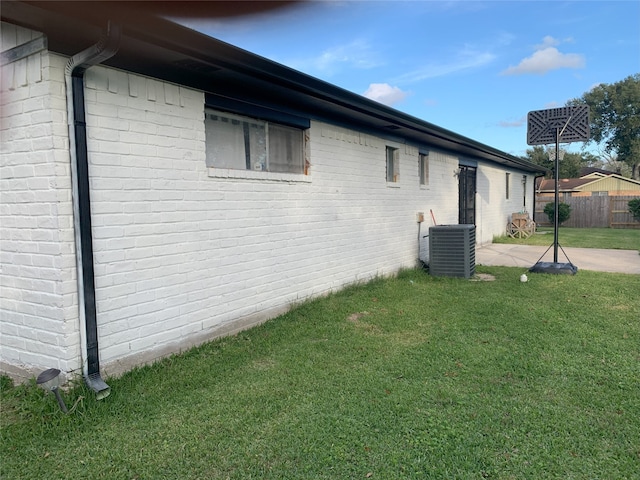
183 252
38 312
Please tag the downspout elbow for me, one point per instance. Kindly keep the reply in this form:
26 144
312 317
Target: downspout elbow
106 48
74 80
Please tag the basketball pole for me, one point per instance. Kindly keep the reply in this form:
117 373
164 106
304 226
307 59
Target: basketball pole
556 214
546 127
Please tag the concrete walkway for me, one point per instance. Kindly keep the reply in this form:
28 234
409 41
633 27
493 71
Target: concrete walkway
600 260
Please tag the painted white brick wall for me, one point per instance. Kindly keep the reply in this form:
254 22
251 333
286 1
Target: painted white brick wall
38 312
182 252
493 208
441 196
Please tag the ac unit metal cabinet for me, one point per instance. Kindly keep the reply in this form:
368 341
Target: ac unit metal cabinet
452 250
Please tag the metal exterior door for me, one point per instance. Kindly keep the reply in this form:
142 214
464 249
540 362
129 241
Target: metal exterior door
467 195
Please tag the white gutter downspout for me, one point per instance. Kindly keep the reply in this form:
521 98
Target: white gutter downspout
74 80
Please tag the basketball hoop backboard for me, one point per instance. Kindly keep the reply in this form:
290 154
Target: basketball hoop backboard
561 125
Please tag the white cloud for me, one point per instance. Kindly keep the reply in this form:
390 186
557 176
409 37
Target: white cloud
467 60
385 93
547 42
546 58
513 123
357 54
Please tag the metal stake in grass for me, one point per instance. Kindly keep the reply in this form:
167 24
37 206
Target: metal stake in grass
50 380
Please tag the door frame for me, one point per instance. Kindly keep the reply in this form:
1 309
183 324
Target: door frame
467 187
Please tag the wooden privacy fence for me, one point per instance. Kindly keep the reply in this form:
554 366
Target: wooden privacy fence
591 212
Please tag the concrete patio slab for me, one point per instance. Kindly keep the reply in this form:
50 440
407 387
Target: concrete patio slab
596 259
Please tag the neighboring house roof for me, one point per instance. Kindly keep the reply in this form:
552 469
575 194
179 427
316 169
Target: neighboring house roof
585 171
564 184
589 183
231 77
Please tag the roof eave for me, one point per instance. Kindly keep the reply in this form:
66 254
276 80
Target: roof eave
163 49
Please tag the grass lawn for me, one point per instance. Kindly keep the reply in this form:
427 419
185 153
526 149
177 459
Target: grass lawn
409 377
623 239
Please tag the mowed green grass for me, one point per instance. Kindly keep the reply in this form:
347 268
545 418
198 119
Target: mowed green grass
621 239
408 377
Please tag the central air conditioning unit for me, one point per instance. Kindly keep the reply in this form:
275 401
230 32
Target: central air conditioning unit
452 250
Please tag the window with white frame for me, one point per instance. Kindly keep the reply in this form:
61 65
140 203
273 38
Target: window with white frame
424 168
393 165
242 143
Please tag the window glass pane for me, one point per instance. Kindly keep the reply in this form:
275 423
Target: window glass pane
224 142
393 164
257 139
243 143
396 165
424 169
507 177
285 149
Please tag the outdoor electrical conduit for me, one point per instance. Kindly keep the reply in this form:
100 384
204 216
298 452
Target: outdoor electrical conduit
74 80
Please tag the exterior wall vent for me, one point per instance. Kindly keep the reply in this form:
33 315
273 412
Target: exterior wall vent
452 250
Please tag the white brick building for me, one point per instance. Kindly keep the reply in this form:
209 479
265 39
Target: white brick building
188 242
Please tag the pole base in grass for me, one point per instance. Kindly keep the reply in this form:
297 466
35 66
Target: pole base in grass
554 268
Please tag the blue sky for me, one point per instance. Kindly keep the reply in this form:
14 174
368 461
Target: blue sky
473 67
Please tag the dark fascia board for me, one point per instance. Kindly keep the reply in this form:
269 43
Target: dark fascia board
256 111
165 50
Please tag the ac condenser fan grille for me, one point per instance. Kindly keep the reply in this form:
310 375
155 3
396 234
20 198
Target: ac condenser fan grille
452 250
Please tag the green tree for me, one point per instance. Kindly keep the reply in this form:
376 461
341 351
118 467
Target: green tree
611 163
572 162
564 212
615 119
634 208
569 166
538 155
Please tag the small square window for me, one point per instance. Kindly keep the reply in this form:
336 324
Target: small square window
393 165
